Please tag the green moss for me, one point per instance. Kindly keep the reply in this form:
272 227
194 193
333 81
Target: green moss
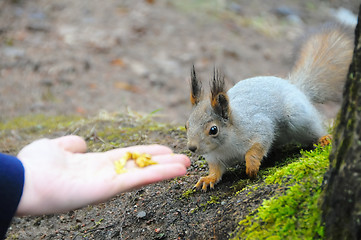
38 123
12 236
123 130
284 157
103 132
296 213
212 200
188 193
309 164
19 131
241 185
201 162
202 6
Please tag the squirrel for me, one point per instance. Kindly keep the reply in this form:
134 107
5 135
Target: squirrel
262 113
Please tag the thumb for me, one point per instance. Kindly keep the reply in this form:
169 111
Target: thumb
71 143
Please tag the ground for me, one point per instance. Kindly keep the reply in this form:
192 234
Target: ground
87 58
167 210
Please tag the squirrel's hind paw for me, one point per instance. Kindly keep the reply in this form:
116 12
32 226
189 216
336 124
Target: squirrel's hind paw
325 140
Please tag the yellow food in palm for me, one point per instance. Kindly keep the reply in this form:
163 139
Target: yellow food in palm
144 160
120 164
141 160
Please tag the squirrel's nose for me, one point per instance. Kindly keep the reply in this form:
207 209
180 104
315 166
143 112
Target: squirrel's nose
192 148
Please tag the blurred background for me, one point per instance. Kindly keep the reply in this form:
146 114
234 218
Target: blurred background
83 57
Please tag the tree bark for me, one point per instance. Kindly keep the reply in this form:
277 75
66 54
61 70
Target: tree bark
342 195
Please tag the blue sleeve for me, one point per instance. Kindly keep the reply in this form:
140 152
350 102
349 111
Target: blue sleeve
11 189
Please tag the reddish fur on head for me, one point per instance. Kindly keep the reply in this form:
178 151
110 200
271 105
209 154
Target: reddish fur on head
193 100
219 98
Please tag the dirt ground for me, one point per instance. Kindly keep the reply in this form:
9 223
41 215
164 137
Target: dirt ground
83 57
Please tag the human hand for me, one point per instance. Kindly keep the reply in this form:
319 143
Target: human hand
60 177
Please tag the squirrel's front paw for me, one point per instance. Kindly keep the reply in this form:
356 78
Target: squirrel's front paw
253 159
252 165
252 171
204 182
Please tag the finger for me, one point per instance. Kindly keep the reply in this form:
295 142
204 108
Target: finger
173 158
153 150
100 191
151 174
71 143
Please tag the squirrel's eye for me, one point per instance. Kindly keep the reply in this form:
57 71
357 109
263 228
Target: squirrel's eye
213 130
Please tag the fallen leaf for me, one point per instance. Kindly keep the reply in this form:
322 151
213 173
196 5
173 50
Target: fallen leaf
93 85
127 87
80 110
117 62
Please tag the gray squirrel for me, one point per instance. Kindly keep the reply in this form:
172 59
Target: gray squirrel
261 113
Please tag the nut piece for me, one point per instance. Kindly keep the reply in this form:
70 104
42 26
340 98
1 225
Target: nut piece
120 164
144 160
134 155
141 160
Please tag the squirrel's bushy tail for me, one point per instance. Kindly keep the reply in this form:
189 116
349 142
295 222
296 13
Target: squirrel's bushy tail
322 65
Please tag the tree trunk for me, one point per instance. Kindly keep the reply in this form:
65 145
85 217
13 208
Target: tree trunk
342 195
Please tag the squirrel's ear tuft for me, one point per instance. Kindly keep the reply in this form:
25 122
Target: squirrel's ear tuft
196 88
219 98
220 105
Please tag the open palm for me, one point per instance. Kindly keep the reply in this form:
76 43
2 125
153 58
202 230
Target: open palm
60 177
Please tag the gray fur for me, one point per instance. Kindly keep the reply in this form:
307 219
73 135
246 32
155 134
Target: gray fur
274 114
